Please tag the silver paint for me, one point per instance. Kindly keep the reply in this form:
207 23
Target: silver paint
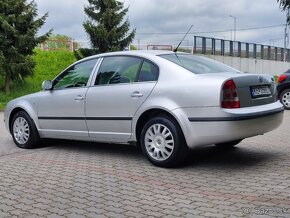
177 91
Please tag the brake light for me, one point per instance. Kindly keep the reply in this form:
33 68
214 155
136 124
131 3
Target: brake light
230 97
282 78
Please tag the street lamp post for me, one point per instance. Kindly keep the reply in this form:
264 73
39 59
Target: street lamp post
235 25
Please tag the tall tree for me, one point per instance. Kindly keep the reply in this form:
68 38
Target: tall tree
18 38
106 27
285 5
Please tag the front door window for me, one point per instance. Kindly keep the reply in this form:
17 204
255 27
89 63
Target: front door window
76 76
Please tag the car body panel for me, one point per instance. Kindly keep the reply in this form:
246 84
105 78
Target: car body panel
61 113
283 89
27 103
285 84
208 125
282 86
110 109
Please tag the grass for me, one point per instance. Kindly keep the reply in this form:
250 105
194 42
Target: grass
48 65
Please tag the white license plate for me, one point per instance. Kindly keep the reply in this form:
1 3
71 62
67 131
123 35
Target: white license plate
260 91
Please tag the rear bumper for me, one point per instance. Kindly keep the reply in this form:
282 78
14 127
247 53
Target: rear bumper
238 117
223 125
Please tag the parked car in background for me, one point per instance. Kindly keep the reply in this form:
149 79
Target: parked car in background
164 101
283 89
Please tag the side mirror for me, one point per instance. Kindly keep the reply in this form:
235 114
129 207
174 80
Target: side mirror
47 85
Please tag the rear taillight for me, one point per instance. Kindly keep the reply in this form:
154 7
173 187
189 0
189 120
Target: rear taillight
282 78
230 97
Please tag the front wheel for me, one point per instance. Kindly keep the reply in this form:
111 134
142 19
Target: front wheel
285 99
23 130
162 142
228 145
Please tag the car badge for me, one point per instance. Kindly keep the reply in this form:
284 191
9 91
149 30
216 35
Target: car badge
260 79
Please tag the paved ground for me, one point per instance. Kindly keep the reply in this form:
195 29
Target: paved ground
95 180
6 144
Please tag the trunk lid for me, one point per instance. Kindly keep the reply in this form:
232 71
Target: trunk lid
252 89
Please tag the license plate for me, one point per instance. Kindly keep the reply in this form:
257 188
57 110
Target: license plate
260 91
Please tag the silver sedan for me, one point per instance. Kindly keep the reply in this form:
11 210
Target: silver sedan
165 102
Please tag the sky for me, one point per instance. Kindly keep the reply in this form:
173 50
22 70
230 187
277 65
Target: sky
165 21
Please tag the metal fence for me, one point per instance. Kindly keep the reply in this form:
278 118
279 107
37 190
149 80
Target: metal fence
70 44
187 49
222 47
213 46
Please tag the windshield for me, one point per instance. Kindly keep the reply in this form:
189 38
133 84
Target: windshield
198 64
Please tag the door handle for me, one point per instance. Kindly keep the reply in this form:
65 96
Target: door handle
136 95
79 98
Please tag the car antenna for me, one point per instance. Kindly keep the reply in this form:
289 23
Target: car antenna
175 50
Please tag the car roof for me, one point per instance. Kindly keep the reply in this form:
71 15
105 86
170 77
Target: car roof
151 52
144 53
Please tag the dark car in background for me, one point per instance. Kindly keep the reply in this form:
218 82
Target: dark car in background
283 89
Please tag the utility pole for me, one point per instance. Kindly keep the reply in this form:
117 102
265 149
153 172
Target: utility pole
286 37
138 48
235 25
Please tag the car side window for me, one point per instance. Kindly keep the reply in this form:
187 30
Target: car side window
148 72
118 69
76 76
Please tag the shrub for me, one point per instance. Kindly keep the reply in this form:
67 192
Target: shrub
48 65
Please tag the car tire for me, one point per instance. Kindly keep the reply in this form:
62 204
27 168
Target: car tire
228 145
162 142
285 99
23 130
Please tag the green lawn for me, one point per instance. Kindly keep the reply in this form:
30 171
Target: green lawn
48 65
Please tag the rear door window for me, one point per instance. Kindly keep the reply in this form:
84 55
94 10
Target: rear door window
118 69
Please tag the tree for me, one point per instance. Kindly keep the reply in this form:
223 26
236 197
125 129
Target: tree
285 5
18 38
105 26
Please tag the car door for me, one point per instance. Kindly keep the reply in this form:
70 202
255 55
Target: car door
116 95
61 110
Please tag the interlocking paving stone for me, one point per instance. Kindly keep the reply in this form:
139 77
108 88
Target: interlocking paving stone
78 179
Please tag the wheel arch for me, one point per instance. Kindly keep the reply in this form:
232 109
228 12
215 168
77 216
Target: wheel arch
150 113
282 89
16 109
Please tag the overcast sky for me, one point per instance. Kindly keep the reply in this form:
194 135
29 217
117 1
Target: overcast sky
157 21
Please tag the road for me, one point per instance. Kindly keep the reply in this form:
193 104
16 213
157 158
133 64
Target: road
77 179
6 144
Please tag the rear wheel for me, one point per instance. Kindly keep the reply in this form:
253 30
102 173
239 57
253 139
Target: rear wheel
23 130
162 142
228 145
285 99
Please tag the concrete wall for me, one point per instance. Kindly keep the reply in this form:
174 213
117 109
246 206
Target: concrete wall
253 65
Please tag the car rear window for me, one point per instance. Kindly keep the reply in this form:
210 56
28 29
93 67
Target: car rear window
198 64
